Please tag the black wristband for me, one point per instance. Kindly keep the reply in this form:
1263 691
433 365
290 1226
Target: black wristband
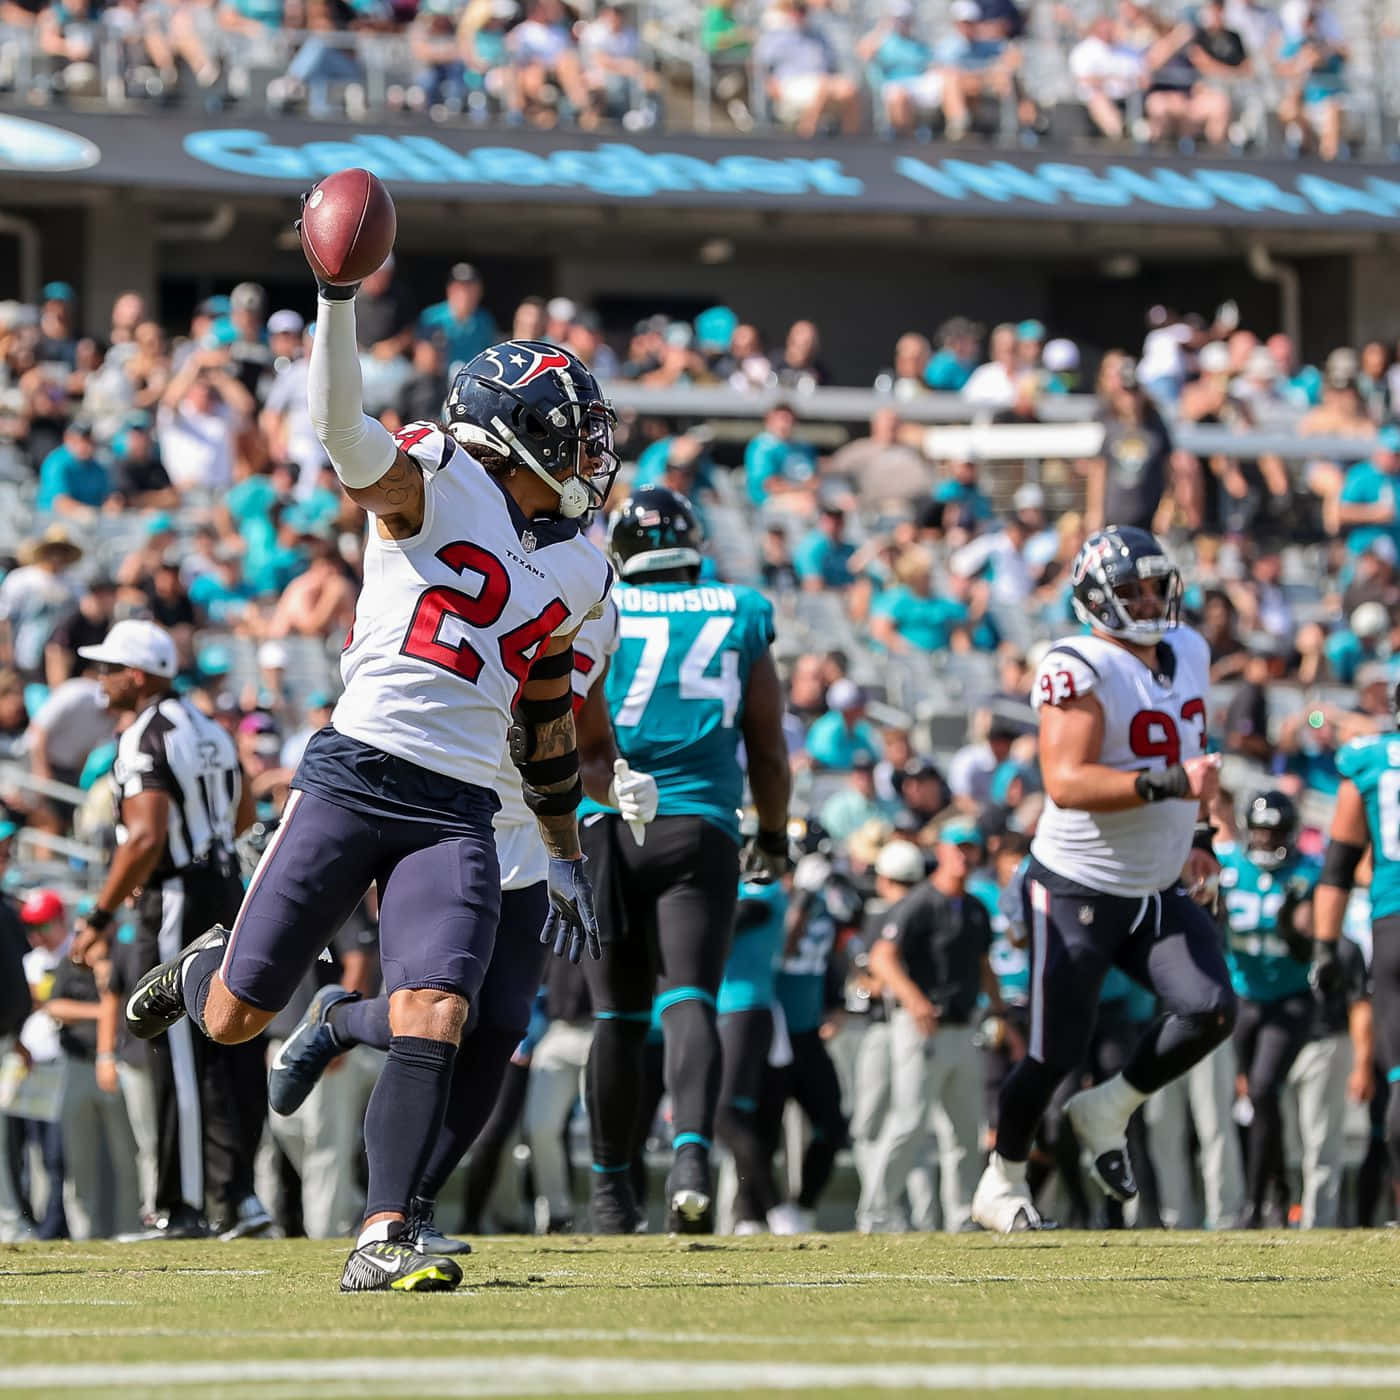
775 843
1202 839
330 292
98 919
1167 782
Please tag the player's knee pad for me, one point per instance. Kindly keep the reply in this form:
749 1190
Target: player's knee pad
1213 1022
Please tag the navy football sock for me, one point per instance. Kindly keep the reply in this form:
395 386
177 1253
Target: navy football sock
476 1082
197 977
1025 1095
361 1023
404 1119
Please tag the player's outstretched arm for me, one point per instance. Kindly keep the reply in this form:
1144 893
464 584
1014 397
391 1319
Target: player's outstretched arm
770 779
376 475
1071 741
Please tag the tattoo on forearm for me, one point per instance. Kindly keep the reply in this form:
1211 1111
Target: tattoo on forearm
555 736
560 836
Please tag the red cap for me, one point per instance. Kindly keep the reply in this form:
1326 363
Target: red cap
41 907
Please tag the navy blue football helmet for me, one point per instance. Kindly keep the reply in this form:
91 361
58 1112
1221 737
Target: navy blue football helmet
1124 585
538 406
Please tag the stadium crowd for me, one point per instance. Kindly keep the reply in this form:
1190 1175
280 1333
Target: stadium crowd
1226 73
175 476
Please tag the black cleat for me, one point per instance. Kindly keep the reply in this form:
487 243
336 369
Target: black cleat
1113 1172
612 1204
395 1265
690 1198
302 1058
426 1237
182 1223
249 1219
158 1001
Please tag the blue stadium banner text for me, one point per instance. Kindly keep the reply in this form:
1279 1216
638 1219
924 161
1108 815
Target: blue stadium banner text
178 152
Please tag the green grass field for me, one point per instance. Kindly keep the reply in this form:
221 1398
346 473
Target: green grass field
1052 1314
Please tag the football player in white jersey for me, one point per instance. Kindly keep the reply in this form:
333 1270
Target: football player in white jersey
1120 858
476 580
337 1020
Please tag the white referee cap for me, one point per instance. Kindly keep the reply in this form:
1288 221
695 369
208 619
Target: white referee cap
141 645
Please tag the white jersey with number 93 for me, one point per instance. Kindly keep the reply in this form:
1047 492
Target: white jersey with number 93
1151 720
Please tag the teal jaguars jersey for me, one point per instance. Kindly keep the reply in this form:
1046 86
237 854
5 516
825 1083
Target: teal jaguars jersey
676 690
757 948
802 976
1261 966
1373 764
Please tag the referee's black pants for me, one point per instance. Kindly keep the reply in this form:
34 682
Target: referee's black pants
211 1100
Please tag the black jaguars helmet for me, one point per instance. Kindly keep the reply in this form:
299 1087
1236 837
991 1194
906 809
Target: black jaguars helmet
1124 585
1272 821
654 530
539 407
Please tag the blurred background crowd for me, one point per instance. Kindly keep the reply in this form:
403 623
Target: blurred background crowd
1242 74
170 472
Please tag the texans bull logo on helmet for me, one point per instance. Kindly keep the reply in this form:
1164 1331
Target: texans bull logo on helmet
518 363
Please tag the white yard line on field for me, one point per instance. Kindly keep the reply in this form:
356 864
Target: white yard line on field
536 1375
640 1336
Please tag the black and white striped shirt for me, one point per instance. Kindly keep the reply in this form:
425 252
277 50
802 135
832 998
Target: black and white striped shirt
175 749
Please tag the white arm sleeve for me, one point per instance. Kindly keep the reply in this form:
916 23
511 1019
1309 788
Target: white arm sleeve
359 446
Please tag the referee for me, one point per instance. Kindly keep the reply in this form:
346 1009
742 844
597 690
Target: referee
180 800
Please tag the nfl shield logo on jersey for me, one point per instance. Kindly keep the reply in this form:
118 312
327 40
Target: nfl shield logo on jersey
1086 914
527 541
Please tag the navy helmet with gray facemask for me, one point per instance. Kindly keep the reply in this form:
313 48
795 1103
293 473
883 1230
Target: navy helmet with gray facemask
531 404
1124 585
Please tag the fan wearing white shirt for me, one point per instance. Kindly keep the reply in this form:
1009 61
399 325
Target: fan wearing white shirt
201 413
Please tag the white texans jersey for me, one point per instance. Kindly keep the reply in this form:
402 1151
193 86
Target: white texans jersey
521 853
1150 721
448 622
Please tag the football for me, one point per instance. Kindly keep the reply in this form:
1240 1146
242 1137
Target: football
347 226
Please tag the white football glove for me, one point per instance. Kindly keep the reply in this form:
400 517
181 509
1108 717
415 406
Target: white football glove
634 795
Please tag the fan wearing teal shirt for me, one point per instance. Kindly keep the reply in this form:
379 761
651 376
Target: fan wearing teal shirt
691 677
773 462
842 736
823 557
909 617
73 474
1370 501
459 324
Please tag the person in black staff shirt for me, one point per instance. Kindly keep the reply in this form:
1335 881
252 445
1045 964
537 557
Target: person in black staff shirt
932 955
99 1152
383 317
167 598
138 480
1127 480
181 800
85 626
